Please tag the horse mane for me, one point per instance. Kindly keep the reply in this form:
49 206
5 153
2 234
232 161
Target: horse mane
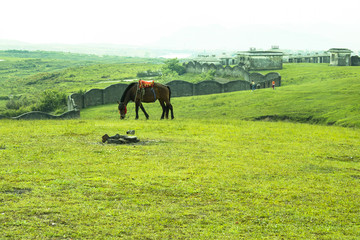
126 90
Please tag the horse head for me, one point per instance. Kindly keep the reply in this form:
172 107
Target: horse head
122 109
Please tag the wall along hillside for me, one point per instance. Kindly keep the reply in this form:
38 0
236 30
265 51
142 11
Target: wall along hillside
179 88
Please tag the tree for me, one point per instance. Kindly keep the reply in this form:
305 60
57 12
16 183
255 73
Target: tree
171 66
209 75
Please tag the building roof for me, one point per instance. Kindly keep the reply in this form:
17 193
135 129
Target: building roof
260 53
207 59
340 50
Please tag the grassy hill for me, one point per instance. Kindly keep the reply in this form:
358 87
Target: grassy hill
311 93
26 72
207 174
314 93
74 78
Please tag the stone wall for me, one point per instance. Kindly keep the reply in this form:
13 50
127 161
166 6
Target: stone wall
257 63
241 85
179 88
208 87
37 115
237 71
111 93
94 97
266 81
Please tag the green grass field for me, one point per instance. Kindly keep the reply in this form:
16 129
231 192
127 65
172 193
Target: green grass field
211 173
187 179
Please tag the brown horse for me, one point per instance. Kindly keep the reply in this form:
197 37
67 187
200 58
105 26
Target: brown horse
150 94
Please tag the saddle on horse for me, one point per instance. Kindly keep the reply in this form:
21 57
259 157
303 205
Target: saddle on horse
146 84
141 88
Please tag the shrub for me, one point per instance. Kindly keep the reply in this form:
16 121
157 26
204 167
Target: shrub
51 101
209 75
172 65
4 98
15 112
15 103
148 73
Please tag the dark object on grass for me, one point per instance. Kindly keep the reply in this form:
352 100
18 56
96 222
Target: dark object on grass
120 139
132 132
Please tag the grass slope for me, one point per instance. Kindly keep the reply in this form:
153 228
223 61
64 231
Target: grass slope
28 76
24 76
331 100
189 179
205 175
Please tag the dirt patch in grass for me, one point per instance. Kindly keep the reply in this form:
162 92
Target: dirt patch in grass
285 118
18 190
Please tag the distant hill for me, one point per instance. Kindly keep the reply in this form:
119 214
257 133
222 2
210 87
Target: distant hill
33 71
98 49
79 57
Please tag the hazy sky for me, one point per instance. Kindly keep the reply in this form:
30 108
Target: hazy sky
311 24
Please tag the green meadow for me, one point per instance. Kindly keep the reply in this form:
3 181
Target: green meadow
268 164
186 179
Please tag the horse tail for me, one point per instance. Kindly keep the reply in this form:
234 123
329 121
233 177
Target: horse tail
169 92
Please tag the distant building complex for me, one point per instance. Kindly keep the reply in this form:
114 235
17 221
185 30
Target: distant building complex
340 57
254 60
308 58
273 59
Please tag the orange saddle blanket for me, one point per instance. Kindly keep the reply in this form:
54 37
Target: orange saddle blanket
146 84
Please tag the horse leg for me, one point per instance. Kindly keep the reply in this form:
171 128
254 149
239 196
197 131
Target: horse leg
137 104
169 106
143 109
163 108
167 112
